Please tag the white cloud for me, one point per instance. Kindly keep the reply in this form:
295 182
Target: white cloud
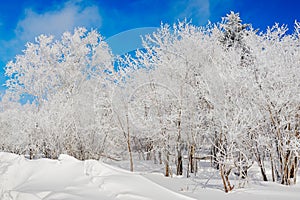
66 18
56 21
197 10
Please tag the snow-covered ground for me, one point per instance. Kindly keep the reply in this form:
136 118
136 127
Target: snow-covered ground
70 179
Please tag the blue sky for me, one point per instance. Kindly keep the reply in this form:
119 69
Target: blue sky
22 20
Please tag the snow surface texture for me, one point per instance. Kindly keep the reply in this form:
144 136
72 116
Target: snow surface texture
70 179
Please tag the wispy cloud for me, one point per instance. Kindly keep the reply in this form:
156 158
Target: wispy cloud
62 18
55 22
197 10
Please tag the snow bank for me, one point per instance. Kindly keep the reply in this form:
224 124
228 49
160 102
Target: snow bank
70 179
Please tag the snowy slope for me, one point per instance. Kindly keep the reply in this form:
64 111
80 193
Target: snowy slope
70 179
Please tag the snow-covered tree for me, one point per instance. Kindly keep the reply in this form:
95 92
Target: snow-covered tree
278 95
61 77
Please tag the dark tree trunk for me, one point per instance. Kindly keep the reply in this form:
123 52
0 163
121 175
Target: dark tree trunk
263 173
30 154
273 169
179 170
191 159
159 158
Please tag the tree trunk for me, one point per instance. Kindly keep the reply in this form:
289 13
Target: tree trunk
191 159
214 151
295 169
154 157
159 157
130 154
196 166
148 156
289 175
260 163
263 173
167 167
285 180
127 137
129 145
30 153
179 170
273 169
225 179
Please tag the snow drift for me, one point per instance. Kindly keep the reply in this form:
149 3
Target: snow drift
70 179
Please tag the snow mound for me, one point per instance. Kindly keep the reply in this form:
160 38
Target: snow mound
70 179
